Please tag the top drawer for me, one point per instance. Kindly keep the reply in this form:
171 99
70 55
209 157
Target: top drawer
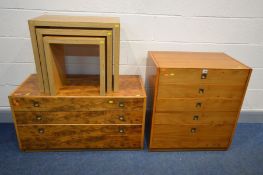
203 76
74 104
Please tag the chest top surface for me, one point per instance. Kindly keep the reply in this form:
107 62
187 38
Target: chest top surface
209 60
130 86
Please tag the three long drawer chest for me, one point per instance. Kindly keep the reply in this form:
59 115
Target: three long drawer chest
77 119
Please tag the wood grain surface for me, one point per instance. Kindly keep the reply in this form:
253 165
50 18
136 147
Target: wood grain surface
200 91
186 117
210 60
181 136
65 122
75 103
162 143
45 137
89 117
214 76
195 91
196 104
130 87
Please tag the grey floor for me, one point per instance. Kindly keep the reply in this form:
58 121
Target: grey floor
244 157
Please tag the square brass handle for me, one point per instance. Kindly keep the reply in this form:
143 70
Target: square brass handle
36 104
201 91
195 117
121 104
121 130
41 130
204 73
203 76
121 118
198 105
38 117
193 130
110 101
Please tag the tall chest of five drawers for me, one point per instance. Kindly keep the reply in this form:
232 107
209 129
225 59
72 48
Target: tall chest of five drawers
196 99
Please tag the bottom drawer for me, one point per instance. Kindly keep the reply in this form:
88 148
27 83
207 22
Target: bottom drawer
190 136
48 137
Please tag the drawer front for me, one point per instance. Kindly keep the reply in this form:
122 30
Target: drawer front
181 104
190 136
207 118
75 104
42 137
89 117
194 76
200 91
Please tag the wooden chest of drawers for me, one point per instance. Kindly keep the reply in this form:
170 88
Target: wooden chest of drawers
197 98
77 120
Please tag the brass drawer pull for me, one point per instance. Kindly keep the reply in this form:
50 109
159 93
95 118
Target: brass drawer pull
41 130
110 101
36 104
204 74
195 117
121 118
15 103
201 91
38 117
198 105
193 130
121 104
121 130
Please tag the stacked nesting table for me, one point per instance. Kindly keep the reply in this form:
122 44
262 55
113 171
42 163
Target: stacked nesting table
52 33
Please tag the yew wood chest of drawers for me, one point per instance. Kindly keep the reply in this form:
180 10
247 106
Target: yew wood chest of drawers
197 98
76 120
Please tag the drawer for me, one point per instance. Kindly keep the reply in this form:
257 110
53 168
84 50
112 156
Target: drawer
42 137
182 142
190 136
200 91
195 104
194 76
74 104
88 117
207 118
